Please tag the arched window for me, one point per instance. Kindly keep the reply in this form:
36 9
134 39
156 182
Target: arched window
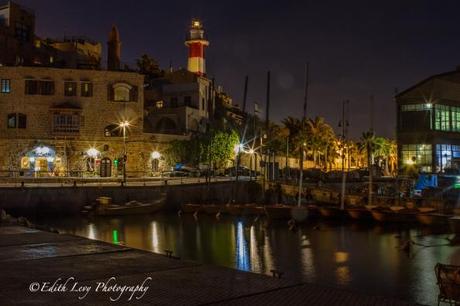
122 92
113 130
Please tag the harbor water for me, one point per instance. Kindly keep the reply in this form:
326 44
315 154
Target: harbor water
363 257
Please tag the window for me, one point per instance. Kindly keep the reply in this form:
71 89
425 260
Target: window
445 153
70 88
66 123
416 107
31 87
417 154
442 118
121 92
203 104
34 87
188 101
86 89
46 87
455 117
159 104
113 130
5 86
16 120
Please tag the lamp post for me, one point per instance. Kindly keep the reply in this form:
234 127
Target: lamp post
123 126
251 153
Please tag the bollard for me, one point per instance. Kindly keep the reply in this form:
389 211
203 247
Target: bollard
166 182
74 183
168 253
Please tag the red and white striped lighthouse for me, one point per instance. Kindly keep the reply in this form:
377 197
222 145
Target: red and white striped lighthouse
196 42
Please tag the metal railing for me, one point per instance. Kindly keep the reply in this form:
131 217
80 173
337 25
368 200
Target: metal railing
82 178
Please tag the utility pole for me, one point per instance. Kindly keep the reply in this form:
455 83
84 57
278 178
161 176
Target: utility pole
344 124
304 119
369 148
267 128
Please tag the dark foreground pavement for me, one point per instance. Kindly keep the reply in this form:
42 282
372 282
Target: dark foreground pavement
94 273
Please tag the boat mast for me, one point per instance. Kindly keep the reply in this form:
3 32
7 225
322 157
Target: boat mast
344 124
304 119
267 128
371 102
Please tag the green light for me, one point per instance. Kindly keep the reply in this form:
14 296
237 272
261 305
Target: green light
115 162
115 237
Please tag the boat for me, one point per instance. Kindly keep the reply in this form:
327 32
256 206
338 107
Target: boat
253 210
327 196
359 213
353 200
190 208
313 210
212 209
300 213
278 211
454 223
331 211
234 209
129 208
433 218
395 214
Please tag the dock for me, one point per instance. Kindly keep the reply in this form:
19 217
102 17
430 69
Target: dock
44 268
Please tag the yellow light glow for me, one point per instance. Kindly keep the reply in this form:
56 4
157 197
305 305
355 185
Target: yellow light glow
92 152
124 124
196 23
409 162
156 155
251 151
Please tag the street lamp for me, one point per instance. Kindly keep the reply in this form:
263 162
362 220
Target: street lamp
123 125
251 153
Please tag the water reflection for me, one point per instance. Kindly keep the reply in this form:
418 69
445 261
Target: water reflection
360 257
242 252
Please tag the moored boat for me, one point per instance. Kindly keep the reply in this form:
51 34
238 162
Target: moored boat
359 213
278 211
402 215
190 208
130 208
331 211
212 209
454 223
234 209
433 219
253 209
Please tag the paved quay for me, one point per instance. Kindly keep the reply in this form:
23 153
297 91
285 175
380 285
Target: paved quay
95 272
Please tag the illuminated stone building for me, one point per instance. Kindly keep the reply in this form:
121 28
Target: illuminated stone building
58 120
428 124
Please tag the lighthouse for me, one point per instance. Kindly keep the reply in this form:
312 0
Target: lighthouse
196 43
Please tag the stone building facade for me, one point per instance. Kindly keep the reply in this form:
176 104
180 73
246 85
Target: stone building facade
56 122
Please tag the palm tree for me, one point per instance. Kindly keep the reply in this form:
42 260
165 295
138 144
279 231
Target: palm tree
320 136
368 145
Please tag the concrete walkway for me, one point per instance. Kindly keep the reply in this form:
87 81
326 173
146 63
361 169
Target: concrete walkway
95 272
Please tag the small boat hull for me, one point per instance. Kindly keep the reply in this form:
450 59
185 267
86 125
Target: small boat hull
454 223
300 214
433 219
392 216
331 212
115 210
278 211
253 210
211 209
359 213
190 208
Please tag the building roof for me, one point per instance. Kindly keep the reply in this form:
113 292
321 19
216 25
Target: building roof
435 76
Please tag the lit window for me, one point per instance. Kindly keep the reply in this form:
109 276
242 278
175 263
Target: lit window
442 117
70 89
121 92
66 123
16 120
5 86
159 104
86 89
417 154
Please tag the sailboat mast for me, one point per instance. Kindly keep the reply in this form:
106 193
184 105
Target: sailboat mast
304 119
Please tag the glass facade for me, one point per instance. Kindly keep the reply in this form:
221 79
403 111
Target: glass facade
446 155
442 118
416 107
417 154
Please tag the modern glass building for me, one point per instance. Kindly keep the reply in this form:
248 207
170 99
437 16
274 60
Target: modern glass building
428 124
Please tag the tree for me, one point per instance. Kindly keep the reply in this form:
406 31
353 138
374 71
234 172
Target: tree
149 66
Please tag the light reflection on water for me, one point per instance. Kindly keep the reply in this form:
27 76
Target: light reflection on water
365 258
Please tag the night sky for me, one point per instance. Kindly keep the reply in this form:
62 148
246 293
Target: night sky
355 48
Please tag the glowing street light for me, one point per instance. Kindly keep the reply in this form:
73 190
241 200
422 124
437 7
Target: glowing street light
123 125
156 155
